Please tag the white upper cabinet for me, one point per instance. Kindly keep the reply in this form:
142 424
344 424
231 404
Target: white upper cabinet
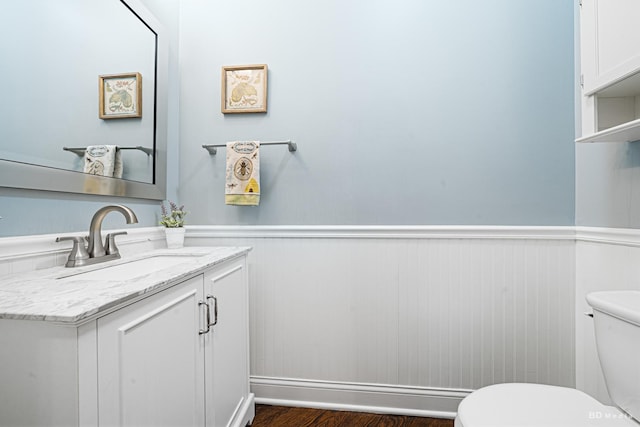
610 68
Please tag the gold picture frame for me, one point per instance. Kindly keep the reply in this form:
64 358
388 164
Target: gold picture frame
120 96
244 89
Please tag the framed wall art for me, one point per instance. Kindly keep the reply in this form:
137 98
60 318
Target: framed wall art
120 96
244 89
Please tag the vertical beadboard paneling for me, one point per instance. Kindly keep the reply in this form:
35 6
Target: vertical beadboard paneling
455 313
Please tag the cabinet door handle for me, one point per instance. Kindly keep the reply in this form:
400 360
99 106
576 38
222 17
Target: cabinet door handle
208 311
215 311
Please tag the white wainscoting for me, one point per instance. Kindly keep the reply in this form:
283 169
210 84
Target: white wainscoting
404 319
606 259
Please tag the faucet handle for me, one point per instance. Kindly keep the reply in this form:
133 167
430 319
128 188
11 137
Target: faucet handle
78 253
110 247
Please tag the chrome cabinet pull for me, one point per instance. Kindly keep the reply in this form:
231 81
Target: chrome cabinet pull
208 310
215 311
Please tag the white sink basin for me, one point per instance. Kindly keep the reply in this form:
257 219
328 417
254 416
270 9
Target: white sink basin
131 269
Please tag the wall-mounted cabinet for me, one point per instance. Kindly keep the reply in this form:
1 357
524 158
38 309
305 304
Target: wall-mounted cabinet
610 67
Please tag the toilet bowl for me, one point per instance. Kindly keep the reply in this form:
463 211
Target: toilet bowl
529 405
617 331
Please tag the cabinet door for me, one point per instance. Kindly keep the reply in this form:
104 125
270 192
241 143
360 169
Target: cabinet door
610 39
151 359
227 343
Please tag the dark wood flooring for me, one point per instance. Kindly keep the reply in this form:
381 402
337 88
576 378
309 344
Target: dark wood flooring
282 416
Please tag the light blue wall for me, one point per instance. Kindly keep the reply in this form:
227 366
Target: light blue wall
429 112
40 212
405 112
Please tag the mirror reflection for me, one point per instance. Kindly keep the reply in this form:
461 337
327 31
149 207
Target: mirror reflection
53 56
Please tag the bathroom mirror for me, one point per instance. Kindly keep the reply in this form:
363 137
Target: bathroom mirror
53 56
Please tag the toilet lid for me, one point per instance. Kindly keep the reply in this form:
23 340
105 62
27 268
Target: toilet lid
529 405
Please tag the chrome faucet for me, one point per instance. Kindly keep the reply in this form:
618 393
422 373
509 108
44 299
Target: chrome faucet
96 251
96 248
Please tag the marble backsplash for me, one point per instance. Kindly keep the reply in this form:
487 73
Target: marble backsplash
28 253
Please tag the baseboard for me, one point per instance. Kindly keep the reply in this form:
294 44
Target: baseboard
246 413
375 398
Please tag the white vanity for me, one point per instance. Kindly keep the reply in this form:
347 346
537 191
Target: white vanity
158 339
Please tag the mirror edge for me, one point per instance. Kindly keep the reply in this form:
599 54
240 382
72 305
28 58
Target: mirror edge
32 177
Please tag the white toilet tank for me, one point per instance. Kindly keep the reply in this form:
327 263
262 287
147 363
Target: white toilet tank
616 316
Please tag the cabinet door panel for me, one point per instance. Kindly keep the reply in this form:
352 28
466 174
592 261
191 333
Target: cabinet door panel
609 41
151 360
228 385
618 33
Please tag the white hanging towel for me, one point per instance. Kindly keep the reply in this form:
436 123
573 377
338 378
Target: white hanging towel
243 173
117 164
103 160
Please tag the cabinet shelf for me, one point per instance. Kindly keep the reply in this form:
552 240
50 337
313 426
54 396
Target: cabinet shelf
626 132
615 110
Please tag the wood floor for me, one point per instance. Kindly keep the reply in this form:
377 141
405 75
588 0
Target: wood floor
281 416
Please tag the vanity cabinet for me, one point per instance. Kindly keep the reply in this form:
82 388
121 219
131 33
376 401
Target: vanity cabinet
227 387
151 361
610 70
176 357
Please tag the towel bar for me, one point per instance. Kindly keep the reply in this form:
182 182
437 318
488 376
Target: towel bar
211 148
80 150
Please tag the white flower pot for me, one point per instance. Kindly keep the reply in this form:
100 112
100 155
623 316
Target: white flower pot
175 237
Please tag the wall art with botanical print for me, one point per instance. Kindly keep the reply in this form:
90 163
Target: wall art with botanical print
120 96
244 89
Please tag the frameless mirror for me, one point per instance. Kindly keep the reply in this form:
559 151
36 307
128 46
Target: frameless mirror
54 54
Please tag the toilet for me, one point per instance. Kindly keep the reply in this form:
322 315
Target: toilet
616 318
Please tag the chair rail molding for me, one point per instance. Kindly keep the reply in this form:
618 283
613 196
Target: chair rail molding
612 236
384 231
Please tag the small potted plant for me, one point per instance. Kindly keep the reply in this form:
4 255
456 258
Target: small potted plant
173 221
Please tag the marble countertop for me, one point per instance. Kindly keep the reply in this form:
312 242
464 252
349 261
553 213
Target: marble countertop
62 295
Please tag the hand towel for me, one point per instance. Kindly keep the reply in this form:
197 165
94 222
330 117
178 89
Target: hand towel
243 173
118 166
103 160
